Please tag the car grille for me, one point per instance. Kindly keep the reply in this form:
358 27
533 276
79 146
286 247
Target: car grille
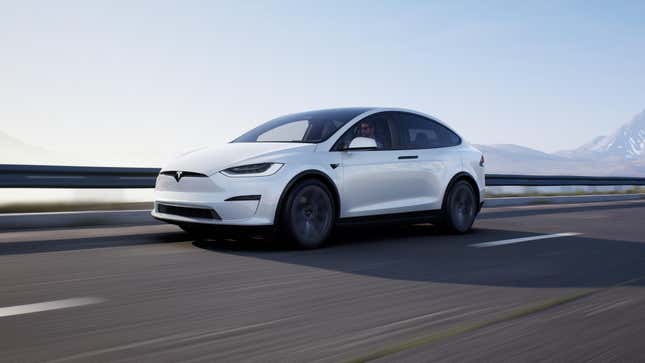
204 213
184 174
166 182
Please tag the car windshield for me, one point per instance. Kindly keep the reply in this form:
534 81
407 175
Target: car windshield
308 127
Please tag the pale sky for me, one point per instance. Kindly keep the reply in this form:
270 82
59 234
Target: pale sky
154 78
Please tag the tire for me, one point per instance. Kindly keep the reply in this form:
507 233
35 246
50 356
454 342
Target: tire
196 230
460 208
308 214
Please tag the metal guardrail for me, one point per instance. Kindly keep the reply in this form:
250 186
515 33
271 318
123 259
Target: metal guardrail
90 177
82 177
559 180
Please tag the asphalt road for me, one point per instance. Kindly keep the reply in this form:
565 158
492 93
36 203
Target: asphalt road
149 293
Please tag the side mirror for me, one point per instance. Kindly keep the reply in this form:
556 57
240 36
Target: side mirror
362 143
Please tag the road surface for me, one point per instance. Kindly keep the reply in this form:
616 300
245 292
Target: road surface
534 283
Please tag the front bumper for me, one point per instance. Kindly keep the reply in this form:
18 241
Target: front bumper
221 194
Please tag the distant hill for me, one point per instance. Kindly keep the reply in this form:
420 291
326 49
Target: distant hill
515 159
14 151
518 152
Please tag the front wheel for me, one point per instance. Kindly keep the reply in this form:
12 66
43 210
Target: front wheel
308 215
460 208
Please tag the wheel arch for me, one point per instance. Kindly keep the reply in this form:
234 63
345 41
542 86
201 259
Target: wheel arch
468 178
309 174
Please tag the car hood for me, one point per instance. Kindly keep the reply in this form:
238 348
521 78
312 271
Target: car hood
210 160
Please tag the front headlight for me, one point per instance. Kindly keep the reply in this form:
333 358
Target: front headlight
263 169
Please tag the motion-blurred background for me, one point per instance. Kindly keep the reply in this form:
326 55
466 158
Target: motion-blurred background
541 88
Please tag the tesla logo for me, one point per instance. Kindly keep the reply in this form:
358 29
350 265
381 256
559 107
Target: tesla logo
178 175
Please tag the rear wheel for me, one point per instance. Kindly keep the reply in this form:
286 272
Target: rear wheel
460 208
308 215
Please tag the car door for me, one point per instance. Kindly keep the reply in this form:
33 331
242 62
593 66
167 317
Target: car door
434 157
378 181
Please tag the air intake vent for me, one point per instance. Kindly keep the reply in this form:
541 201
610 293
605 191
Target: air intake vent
189 212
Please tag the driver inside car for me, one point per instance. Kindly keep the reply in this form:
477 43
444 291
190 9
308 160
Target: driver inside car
367 129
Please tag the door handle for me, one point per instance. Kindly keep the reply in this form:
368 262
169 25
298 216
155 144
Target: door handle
408 157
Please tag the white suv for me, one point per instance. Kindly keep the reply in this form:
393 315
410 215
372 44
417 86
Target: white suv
306 172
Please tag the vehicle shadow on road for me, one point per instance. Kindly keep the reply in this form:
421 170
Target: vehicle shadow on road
425 253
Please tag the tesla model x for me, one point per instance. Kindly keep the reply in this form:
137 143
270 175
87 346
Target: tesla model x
304 173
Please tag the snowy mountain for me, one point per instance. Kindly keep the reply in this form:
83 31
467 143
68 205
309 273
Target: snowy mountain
628 143
621 153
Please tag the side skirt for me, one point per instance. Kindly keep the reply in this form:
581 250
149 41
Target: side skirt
408 217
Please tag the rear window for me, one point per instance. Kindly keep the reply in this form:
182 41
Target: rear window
418 132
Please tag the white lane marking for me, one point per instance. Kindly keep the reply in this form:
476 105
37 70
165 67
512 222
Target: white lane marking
524 239
49 305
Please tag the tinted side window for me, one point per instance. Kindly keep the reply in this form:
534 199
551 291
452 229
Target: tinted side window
376 126
418 132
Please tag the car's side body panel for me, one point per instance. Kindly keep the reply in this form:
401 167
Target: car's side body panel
396 181
376 182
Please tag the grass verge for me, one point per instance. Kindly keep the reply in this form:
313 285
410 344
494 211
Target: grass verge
467 328
461 329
